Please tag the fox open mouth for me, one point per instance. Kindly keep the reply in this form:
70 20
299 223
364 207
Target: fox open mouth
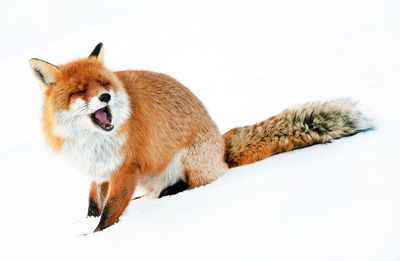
102 118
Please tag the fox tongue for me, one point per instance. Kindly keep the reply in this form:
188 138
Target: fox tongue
101 116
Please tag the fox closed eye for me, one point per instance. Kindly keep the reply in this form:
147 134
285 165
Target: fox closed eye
77 92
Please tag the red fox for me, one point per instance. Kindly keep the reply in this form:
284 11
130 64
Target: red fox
143 133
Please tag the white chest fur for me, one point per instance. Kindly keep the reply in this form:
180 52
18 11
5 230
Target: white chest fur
94 154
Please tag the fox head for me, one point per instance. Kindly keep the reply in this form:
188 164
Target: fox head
81 96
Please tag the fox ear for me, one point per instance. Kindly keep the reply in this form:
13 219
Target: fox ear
98 52
46 73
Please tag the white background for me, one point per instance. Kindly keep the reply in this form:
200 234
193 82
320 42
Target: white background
246 60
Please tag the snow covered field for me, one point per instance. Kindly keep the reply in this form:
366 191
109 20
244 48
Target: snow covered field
246 60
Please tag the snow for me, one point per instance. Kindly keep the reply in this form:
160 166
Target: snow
246 60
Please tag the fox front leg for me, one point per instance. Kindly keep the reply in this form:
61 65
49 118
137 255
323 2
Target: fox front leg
121 188
97 196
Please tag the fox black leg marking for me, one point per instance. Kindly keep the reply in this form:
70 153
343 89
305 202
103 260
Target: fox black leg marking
103 220
93 210
180 186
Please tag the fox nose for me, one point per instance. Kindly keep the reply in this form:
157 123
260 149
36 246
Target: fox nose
105 97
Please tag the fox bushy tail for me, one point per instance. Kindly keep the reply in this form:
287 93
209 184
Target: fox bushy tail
294 128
